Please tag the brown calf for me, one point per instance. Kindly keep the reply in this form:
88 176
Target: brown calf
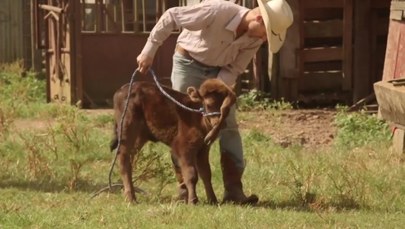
151 116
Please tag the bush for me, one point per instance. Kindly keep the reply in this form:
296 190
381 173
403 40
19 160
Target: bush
258 100
359 129
21 91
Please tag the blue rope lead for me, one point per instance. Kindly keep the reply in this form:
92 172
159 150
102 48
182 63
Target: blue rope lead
121 125
201 110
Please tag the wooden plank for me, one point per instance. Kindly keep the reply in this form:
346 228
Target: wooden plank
347 45
301 34
323 66
398 141
11 31
395 5
381 3
322 14
331 28
322 54
320 81
99 16
394 66
362 49
390 99
323 3
323 42
77 55
381 27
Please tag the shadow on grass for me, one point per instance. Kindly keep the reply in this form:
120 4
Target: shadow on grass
53 186
296 205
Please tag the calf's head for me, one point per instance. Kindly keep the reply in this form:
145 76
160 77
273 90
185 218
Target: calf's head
216 97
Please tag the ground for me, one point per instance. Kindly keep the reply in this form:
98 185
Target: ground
309 128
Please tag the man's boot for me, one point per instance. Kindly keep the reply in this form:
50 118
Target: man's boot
232 176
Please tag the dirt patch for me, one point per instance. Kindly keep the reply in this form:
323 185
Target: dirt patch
33 124
309 128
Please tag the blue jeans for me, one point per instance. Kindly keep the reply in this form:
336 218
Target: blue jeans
186 73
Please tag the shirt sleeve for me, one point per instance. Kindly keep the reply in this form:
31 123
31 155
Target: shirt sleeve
191 18
229 73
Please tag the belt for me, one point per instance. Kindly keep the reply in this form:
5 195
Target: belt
180 50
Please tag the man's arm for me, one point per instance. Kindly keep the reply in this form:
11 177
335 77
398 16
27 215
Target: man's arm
230 72
189 17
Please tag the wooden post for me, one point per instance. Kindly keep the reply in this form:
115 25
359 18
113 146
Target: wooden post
362 59
347 45
76 52
399 141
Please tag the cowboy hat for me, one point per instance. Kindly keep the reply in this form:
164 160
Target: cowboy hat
277 17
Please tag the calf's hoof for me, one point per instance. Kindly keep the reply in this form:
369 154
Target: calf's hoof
129 197
193 201
182 196
213 202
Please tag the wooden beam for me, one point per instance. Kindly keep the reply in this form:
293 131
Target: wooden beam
331 28
390 99
315 81
54 9
347 45
398 141
362 46
322 4
382 3
322 54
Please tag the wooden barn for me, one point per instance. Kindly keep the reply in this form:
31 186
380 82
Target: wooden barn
334 51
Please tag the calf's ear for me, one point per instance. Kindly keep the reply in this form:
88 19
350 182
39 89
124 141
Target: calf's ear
193 94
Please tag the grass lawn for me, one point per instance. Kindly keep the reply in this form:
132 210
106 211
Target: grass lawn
53 158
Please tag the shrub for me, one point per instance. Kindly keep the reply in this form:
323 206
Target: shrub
258 100
359 129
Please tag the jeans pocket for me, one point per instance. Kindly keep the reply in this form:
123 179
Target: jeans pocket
181 59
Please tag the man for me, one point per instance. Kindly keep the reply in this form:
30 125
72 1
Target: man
218 39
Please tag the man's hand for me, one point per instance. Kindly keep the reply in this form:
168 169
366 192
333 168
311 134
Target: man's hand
144 63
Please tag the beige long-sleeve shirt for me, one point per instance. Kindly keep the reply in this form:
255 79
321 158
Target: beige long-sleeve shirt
209 35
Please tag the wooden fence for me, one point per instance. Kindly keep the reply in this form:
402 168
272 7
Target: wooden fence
15 33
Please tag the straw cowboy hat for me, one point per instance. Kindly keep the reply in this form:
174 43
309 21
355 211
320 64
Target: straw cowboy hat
277 17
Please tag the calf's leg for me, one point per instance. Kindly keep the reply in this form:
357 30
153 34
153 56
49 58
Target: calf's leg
204 171
182 189
131 143
126 171
190 177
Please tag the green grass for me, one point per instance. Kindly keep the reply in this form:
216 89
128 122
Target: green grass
48 174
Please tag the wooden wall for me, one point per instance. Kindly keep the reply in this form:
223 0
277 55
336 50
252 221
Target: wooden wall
394 65
333 52
11 30
16 34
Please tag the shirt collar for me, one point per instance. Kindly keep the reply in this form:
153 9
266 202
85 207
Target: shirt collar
235 21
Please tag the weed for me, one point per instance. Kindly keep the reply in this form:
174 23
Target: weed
20 89
358 129
38 164
258 100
